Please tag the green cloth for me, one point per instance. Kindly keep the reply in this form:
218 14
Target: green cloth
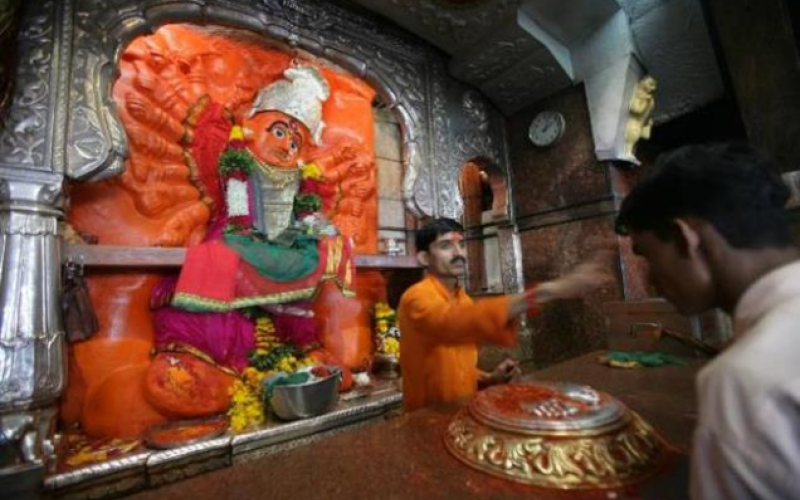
283 261
647 359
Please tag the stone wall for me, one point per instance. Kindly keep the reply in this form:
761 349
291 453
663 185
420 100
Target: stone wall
564 204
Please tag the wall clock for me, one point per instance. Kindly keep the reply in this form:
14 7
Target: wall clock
546 128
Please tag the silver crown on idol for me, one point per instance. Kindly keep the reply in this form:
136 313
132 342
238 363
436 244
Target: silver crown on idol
299 94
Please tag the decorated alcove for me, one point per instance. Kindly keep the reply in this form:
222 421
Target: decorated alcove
66 123
181 94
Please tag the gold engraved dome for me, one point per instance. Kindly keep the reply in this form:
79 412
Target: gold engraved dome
555 435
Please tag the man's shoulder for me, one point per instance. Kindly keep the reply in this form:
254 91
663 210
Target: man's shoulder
745 388
420 289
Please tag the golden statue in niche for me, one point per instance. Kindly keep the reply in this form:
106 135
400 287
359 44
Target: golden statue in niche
640 119
180 94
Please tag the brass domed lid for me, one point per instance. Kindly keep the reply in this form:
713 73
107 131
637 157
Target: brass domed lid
559 435
548 408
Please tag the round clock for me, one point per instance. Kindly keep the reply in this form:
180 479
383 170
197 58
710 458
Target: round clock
546 128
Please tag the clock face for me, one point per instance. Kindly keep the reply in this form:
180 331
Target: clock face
546 128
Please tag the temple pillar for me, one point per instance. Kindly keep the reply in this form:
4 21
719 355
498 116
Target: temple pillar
32 370
32 361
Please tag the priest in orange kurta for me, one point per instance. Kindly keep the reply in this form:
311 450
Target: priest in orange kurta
441 331
442 326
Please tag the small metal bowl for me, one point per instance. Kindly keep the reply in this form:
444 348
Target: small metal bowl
293 402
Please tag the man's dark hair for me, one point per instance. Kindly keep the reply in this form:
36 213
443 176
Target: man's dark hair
732 186
428 233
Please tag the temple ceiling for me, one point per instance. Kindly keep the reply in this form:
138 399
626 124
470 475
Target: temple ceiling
520 51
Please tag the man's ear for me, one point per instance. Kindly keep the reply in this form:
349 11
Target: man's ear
687 238
424 258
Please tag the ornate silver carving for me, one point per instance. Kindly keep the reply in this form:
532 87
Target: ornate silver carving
26 225
416 195
385 58
446 168
301 14
9 23
463 130
510 259
475 109
536 76
31 335
96 143
476 141
494 59
61 82
26 437
307 15
33 190
24 138
462 26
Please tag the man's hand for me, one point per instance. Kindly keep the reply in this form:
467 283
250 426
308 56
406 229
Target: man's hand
585 278
507 370
503 373
592 274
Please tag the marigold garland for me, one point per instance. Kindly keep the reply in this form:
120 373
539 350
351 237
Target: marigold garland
247 409
386 332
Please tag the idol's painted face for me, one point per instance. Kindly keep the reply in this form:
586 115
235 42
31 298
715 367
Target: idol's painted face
447 256
278 139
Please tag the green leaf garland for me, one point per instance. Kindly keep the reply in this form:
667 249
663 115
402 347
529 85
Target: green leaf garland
234 161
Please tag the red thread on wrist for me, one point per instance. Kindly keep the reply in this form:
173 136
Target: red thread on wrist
530 300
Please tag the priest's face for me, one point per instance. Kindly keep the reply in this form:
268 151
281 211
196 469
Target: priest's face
446 256
278 139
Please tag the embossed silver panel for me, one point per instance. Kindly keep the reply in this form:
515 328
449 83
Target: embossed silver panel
26 135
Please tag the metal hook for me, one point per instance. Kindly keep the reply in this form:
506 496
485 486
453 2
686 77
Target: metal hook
68 268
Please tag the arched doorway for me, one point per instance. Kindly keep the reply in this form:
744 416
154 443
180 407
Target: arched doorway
483 189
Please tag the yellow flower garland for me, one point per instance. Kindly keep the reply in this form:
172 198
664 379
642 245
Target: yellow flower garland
246 409
385 320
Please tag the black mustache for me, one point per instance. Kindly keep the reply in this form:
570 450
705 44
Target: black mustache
456 259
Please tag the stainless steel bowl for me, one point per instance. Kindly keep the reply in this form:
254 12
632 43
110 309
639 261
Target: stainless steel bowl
292 402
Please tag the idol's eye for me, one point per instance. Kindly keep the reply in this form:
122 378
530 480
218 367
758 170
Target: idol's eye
279 132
